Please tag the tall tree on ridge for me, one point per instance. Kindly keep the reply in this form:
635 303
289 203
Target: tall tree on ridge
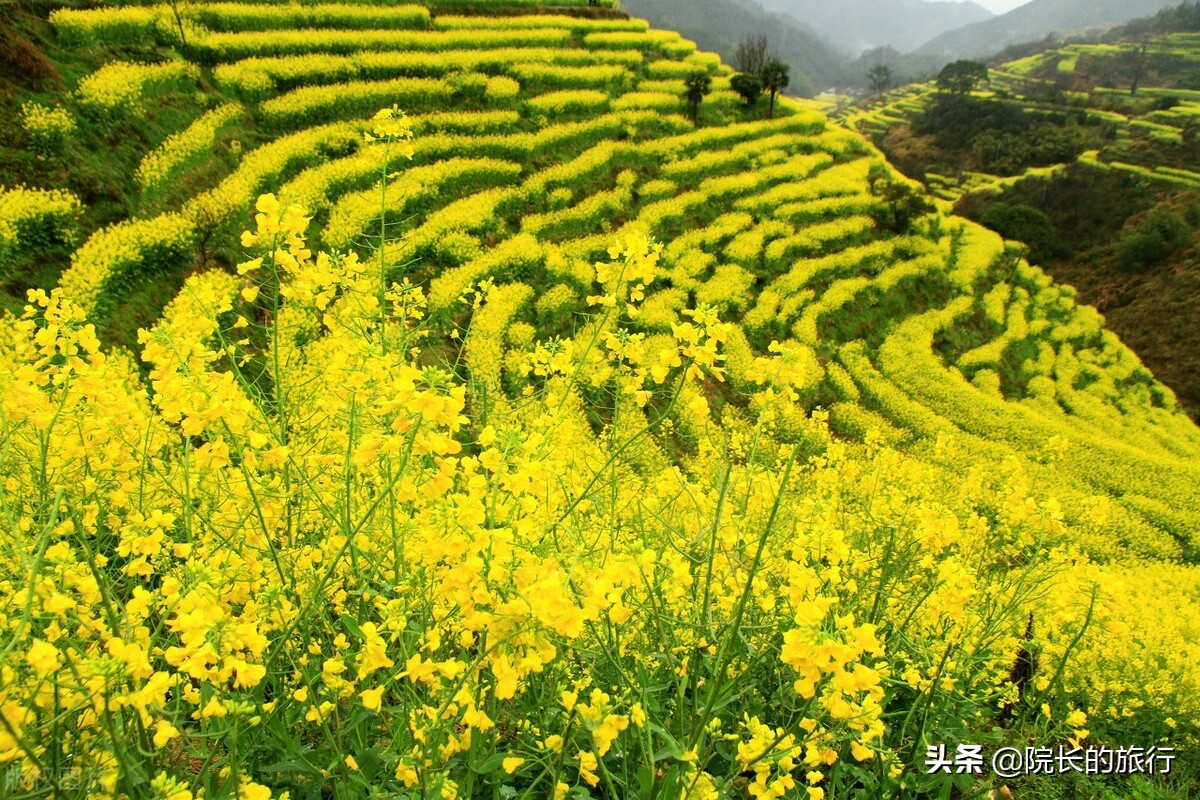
774 80
699 83
880 77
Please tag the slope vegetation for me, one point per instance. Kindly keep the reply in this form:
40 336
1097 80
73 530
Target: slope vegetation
1087 153
539 441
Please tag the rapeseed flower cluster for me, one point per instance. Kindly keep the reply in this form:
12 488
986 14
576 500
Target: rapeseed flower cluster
744 523
122 88
34 219
307 533
163 163
49 128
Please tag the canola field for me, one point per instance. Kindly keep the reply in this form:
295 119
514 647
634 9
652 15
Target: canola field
1063 80
543 443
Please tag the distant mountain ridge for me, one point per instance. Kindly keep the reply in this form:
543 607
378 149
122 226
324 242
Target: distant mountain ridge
857 25
1036 20
718 25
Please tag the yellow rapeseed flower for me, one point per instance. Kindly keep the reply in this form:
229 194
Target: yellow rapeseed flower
43 657
372 699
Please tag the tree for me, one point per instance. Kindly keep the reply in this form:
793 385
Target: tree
752 55
774 79
177 8
1140 68
899 204
962 77
880 77
1158 235
748 85
1023 223
698 84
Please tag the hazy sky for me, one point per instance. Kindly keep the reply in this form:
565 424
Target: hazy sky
1000 6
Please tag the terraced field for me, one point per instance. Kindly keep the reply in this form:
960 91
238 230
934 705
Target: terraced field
1071 79
1088 153
622 456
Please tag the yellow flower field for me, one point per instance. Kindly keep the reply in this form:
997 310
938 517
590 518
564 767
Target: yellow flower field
557 448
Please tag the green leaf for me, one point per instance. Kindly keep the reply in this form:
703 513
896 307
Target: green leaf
672 749
370 763
645 780
352 627
490 764
294 765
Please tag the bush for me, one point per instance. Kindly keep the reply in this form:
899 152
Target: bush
748 86
121 27
956 120
1160 234
165 162
900 205
115 257
1026 224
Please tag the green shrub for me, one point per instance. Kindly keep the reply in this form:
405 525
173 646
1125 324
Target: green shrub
1027 224
1160 234
899 204
748 86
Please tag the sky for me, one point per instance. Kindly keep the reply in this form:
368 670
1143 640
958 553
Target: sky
1000 6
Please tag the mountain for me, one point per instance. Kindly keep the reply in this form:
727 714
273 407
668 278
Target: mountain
718 25
905 67
1035 21
858 25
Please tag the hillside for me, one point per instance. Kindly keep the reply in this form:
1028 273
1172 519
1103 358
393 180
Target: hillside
718 26
1035 20
432 401
858 25
1099 181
